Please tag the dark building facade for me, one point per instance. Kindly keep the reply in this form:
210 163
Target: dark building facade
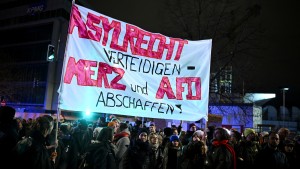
27 27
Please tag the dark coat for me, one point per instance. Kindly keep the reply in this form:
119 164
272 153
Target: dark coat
100 155
270 158
247 151
156 157
82 138
172 156
8 139
32 153
137 156
220 157
194 155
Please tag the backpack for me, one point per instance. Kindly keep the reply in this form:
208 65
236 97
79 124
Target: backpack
20 152
23 145
89 159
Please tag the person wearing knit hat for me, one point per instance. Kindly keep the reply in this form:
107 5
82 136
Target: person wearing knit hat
199 134
172 153
263 137
248 131
195 151
174 138
248 149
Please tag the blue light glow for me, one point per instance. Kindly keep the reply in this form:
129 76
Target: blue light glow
87 113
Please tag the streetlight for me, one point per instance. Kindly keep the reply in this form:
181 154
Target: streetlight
283 103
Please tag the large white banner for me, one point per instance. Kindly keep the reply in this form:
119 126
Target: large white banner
114 67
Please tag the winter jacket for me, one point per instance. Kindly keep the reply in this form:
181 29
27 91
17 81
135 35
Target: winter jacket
122 142
32 153
270 158
221 156
100 155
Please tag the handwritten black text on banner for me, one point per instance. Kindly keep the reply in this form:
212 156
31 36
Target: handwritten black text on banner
114 67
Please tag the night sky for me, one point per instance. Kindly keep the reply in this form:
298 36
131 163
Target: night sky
276 66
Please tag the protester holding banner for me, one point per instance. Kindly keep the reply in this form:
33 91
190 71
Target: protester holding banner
66 145
115 67
82 136
122 69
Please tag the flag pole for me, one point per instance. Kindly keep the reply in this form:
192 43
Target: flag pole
58 109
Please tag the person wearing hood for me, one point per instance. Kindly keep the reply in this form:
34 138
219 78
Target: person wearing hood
101 153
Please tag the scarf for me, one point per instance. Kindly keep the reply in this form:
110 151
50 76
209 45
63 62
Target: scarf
231 150
118 136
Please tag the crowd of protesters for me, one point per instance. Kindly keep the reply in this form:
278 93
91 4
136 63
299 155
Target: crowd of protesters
113 144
